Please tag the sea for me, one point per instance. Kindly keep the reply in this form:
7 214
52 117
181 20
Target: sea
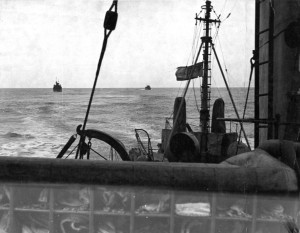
38 122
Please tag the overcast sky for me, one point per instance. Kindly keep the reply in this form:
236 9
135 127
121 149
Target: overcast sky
41 40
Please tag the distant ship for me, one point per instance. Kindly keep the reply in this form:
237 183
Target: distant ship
57 87
148 87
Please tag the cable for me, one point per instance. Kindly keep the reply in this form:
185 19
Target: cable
110 22
233 7
252 62
226 70
230 95
224 5
197 32
212 62
195 98
195 47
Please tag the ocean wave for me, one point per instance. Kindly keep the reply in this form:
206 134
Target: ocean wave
46 110
17 135
50 103
9 110
40 124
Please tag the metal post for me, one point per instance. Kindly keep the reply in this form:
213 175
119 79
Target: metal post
204 113
256 73
205 91
270 68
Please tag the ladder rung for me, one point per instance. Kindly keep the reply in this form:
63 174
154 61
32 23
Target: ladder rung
262 63
262 126
264 94
260 1
263 31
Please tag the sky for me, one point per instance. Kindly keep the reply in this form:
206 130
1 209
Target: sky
45 40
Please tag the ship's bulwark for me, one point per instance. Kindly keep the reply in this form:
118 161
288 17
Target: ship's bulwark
52 195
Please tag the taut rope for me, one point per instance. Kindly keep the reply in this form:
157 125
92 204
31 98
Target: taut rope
110 23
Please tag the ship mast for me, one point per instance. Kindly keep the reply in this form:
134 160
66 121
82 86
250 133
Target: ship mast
206 78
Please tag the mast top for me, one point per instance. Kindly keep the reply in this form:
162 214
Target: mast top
208 7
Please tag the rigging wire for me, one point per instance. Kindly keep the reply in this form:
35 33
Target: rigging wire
230 95
195 35
197 32
181 102
241 125
71 152
193 61
195 98
195 47
193 44
218 16
109 25
227 74
214 39
233 7
216 33
226 70
252 62
224 5
245 45
229 14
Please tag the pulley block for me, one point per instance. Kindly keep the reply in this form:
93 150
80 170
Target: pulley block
110 20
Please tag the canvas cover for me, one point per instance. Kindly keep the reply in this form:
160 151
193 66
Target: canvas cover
274 154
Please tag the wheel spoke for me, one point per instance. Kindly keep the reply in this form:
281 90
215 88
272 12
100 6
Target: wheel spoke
98 154
101 144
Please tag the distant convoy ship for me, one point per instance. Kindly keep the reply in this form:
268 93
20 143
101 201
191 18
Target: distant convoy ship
148 88
57 87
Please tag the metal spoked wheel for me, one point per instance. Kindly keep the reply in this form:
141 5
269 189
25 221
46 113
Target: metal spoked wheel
98 145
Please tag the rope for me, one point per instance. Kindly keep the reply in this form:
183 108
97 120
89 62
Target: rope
233 7
71 151
247 96
218 16
193 61
181 102
217 32
212 61
198 109
104 44
231 98
223 58
194 47
197 31
224 5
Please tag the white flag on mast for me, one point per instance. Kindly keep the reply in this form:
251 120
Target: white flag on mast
184 73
